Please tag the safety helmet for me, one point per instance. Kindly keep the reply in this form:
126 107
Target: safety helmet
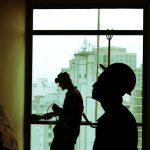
119 77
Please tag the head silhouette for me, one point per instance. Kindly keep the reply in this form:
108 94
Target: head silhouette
116 80
64 80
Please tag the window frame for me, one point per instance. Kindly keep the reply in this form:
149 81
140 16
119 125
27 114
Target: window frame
28 59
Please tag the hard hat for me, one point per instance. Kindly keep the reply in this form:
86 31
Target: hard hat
119 77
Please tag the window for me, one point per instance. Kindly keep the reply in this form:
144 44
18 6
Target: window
75 40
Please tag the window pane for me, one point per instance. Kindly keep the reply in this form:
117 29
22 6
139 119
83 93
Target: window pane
121 19
77 55
42 135
65 19
53 54
87 19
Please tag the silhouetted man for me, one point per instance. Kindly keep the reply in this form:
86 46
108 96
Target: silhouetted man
67 128
117 129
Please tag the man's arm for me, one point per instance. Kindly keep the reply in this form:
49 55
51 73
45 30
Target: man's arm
43 116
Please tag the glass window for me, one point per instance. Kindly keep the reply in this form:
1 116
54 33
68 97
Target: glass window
86 19
121 19
80 55
65 19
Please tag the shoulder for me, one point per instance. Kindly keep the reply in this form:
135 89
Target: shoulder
75 92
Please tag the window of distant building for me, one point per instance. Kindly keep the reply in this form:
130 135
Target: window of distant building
75 40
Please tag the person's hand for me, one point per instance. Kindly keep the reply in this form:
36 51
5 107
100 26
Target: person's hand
56 108
47 116
35 117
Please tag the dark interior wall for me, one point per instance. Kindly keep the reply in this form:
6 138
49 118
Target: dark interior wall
12 56
101 2
12 53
